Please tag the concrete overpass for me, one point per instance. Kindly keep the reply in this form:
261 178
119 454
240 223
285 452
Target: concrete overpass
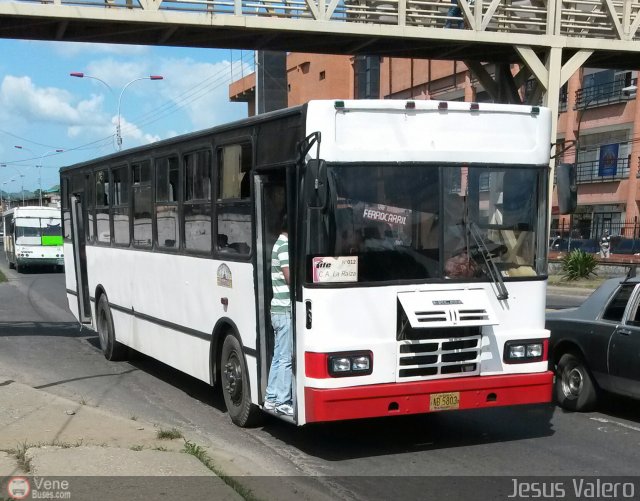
550 38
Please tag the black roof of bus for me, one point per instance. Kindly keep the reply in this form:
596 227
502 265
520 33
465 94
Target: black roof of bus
265 117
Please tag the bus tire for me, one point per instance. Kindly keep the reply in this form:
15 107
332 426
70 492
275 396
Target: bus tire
12 265
19 269
235 384
575 389
111 349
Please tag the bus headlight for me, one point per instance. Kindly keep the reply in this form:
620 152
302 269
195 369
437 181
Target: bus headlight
360 363
516 351
525 351
339 364
534 350
350 364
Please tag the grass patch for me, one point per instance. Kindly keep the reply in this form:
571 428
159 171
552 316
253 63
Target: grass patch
20 452
160 448
134 418
201 454
171 434
3 278
136 448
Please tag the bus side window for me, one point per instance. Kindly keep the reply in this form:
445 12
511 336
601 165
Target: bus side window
167 220
197 201
141 185
233 206
103 230
120 210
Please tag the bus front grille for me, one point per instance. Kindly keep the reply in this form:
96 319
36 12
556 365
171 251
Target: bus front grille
438 358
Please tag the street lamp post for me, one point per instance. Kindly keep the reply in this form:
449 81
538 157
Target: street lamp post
118 130
79 74
57 150
20 147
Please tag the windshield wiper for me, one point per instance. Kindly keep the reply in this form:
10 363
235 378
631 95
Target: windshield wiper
501 290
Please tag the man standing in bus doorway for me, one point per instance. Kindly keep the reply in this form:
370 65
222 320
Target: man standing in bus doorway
605 244
278 394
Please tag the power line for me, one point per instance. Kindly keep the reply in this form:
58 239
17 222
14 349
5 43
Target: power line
184 99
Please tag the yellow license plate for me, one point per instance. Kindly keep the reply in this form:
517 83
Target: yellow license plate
444 401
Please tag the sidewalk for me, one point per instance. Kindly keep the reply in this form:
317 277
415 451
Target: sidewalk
42 435
570 291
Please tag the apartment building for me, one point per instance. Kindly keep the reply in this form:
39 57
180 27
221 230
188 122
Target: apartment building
598 119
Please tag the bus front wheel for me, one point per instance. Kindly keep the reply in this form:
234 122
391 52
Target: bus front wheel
235 384
106 333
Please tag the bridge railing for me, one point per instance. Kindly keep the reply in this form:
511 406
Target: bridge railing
609 19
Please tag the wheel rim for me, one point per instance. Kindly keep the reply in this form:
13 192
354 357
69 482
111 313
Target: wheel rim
233 378
572 381
103 326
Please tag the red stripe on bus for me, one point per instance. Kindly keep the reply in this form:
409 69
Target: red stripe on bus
316 365
394 399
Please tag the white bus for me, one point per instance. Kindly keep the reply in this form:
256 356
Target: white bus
33 237
418 246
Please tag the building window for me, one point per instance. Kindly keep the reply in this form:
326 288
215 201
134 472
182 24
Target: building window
367 77
323 75
197 201
233 205
167 220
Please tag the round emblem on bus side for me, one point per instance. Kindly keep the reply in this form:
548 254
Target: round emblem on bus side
224 277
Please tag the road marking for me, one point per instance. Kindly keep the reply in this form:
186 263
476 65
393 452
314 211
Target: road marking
623 425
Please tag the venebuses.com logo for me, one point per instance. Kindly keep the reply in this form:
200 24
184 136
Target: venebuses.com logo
18 488
37 488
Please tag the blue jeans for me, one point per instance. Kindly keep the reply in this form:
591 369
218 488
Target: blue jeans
279 384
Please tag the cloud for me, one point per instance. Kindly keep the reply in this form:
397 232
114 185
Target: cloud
117 73
20 98
201 90
132 135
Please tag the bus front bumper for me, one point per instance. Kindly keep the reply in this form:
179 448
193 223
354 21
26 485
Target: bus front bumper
397 399
40 261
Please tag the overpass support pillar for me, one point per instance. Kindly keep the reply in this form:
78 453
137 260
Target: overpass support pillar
551 76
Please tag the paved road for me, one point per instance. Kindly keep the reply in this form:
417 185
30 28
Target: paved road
560 301
41 345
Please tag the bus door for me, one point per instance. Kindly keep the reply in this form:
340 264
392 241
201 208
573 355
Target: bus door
80 257
270 196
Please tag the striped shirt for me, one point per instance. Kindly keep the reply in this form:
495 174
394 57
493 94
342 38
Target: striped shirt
281 301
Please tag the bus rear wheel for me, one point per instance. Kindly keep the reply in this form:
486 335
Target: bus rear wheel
235 384
106 333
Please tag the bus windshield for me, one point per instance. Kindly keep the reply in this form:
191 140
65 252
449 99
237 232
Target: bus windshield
414 222
38 231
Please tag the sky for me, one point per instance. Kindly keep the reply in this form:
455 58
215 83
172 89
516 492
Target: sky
43 108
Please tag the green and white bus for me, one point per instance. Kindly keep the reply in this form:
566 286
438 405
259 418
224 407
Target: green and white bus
33 237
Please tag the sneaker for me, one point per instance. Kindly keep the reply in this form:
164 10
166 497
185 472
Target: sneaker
269 405
285 409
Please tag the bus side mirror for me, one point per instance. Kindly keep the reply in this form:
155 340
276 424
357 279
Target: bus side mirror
316 184
567 188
